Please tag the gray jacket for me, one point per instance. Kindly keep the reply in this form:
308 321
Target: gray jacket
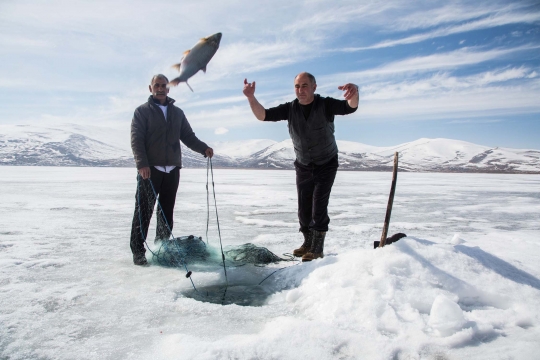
156 141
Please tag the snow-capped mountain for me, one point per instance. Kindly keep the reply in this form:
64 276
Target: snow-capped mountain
436 155
74 145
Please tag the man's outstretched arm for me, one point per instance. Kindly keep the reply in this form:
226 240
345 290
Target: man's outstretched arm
351 94
256 107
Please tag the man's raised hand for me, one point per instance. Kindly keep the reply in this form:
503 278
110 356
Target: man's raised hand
249 88
351 90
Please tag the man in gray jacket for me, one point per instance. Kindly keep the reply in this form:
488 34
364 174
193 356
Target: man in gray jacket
311 127
157 128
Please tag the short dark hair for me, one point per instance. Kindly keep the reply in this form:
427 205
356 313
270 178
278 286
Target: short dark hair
311 77
158 76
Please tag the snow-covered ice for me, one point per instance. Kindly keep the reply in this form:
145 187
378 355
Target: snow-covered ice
465 283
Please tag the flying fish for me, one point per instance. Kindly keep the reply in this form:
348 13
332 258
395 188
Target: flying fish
196 59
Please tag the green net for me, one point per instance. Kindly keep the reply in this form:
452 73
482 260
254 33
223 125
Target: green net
175 252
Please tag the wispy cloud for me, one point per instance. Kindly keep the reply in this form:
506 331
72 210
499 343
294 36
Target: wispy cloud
242 57
433 62
451 20
221 131
234 116
440 83
432 15
325 18
436 103
485 23
476 121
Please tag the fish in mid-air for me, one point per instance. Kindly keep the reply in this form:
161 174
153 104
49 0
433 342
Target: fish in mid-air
196 59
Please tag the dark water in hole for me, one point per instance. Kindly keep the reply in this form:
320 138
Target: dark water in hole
243 295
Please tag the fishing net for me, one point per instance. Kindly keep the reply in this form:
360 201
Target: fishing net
251 254
171 251
175 252
181 252
193 250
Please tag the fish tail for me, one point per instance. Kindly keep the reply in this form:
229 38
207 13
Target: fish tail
189 86
177 66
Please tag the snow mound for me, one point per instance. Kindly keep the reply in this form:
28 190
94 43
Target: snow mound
423 298
456 240
446 316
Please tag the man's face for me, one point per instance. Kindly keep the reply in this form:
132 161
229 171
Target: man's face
304 89
159 89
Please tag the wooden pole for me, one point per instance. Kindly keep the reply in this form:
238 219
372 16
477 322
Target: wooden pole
390 202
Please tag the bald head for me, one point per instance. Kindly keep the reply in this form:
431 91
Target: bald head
304 88
309 76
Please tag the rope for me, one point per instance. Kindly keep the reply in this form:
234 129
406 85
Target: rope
287 257
209 164
207 202
139 177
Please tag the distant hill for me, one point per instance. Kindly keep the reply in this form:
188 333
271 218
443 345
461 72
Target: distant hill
74 145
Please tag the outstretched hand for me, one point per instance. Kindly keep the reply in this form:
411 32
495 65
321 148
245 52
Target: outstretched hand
249 88
209 152
351 90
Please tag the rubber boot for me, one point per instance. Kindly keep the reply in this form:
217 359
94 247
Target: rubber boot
316 251
306 246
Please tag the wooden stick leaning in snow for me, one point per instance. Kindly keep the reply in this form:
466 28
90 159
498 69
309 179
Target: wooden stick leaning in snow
390 202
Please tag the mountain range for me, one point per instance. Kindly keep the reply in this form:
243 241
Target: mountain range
75 145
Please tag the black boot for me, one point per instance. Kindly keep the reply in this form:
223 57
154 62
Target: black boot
317 246
306 246
140 259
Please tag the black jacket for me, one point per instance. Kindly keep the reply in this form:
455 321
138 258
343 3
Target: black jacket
156 141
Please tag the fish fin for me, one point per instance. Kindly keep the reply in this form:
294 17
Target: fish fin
173 82
177 66
189 86
184 55
204 69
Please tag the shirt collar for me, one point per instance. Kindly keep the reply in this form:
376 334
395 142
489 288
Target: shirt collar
158 103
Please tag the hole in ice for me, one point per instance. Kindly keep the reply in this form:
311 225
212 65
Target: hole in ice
248 266
238 294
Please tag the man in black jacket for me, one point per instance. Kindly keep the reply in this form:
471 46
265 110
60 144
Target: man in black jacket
311 127
157 128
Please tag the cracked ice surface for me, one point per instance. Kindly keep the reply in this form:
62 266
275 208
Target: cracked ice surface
464 283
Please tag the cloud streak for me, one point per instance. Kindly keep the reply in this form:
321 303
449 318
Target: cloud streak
434 62
462 28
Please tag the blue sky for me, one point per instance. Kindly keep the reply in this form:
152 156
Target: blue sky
466 70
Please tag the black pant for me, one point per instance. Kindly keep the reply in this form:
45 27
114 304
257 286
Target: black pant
166 186
313 184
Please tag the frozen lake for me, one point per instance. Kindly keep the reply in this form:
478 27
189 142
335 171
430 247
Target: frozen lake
464 283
